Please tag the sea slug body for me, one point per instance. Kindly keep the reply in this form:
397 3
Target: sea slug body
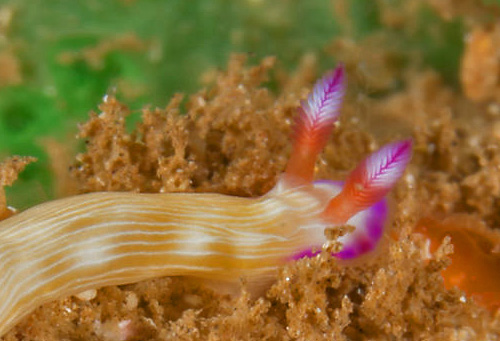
88 241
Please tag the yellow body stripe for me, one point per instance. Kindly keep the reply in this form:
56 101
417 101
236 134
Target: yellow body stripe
70 245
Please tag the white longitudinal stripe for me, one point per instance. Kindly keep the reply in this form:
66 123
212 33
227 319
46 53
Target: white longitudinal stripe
123 274
106 242
182 211
50 215
173 228
110 242
106 257
251 237
70 245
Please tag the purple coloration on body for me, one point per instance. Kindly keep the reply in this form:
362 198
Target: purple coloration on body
368 232
369 228
360 200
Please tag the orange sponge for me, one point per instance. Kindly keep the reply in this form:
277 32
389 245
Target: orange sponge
475 266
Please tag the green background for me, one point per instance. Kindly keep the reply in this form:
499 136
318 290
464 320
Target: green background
184 38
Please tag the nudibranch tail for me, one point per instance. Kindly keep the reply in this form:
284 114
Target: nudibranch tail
372 179
314 123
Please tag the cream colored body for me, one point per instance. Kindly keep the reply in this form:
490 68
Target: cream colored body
70 245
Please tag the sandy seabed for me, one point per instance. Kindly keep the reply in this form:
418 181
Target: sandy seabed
234 139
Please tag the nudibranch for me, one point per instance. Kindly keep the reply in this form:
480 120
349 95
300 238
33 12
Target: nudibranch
70 245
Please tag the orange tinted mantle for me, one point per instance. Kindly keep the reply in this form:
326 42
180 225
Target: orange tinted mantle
475 266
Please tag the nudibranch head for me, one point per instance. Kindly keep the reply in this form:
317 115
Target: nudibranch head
360 201
369 227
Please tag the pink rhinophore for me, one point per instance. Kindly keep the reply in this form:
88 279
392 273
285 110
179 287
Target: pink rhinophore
360 201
